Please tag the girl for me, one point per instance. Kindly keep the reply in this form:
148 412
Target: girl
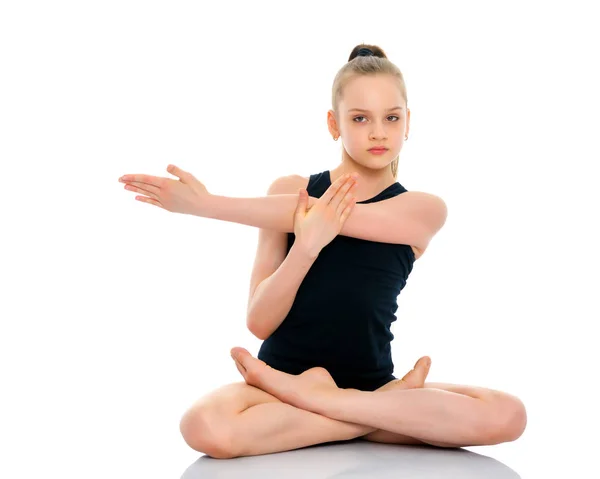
324 297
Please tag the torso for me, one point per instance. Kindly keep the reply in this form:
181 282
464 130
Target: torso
303 183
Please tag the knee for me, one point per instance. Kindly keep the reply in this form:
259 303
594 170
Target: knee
203 435
517 421
510 421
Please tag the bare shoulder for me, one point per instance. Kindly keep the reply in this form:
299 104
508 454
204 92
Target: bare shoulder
427 200
437 204
288 184
430 209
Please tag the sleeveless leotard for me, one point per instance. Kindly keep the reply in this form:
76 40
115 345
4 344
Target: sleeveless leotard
341 316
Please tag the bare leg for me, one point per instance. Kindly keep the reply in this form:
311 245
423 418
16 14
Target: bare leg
428 414
388 437
277 427
431 415
242 420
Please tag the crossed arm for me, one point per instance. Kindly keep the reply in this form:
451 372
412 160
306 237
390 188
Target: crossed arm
411 218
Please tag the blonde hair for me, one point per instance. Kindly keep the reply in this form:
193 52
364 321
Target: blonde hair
377 63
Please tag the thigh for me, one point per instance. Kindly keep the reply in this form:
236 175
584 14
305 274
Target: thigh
506 408
205 419
232 399
499 400
472 391
388 437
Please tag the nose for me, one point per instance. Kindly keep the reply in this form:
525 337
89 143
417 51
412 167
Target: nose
378 132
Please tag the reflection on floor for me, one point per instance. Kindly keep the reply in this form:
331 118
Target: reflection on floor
354 459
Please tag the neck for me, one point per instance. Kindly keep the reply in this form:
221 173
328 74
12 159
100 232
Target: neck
370 182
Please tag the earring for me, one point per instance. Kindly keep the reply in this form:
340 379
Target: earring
406 137
336 138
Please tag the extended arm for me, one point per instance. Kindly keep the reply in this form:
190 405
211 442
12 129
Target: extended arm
410 218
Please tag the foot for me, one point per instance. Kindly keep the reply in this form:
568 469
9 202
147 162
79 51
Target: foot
415 378
307 391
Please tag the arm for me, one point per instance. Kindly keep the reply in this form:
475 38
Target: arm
274 296
411 218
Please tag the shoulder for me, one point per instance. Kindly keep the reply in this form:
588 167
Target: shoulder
423 197
430 208
289 184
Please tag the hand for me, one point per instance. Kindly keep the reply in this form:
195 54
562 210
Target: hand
185 195
316 228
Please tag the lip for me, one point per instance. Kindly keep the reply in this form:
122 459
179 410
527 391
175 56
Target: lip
378 151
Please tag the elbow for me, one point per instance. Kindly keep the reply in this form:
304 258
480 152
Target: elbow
259 335
254 330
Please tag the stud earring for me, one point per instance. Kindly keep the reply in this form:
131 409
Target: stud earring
336 138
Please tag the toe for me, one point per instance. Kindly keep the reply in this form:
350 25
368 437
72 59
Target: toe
236 350
424 362
416 376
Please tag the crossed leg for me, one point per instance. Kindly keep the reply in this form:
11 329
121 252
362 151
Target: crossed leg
496 399
242 420
442 415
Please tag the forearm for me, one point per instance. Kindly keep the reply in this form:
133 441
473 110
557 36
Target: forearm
274 296
397 220
276 212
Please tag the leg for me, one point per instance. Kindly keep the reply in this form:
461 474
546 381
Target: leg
490 395
388 437
431 415
428 414
241 420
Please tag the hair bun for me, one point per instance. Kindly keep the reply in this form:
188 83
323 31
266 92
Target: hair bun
363 50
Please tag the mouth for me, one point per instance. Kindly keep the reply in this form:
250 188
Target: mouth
378 151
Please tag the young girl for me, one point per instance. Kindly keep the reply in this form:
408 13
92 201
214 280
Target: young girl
330 264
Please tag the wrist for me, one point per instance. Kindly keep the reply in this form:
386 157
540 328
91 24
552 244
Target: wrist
303 253
207 207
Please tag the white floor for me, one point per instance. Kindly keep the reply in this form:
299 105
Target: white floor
355 459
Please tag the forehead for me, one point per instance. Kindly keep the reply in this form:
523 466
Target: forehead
372 92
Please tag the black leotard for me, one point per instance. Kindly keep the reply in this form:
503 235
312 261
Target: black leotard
343 310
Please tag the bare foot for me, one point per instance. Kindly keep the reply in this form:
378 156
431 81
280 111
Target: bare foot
415 378
307 391
315 387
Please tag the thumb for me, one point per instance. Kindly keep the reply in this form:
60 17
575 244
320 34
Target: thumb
302 202
178 172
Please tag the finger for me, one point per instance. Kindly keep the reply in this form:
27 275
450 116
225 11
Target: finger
341 194
144 199
176 171
347 211
149 190
146 179
301 206
333 189
348 199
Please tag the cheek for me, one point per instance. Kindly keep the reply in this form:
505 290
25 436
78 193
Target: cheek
354 143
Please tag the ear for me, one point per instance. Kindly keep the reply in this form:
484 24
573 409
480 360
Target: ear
332 124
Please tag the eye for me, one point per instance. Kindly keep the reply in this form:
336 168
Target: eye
391 116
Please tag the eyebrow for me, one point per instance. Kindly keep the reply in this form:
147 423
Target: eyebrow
360 109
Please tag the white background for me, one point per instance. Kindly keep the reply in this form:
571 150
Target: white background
117 315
